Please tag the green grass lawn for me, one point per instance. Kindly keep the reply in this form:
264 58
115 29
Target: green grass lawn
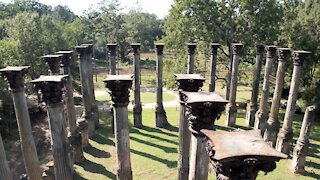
154 151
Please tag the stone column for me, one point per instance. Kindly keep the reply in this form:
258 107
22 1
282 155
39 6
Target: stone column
189 83
94 106
161 117
53 62
231 109
191 49
202 110
84 76
261 116
286 133
273 123
213 64
15 77
74 136
51 88
300 151
112 51
118 88
253 105
5 172
137 107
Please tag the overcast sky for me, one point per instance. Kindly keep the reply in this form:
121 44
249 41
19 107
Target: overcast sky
158 7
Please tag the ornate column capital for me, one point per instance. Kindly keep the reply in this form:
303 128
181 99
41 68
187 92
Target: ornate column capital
237 47
214 48
90 48
112 49
15 76
53 62
191 48
136 48
202 109
259 48
119 89
271 51
82 50
66 57
283 54
159 48
51 88
299 57
189 82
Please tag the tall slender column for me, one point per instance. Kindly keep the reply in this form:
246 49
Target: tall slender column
161 117
300 151
261 116
253 105
118 88
286 133
15 77
51 88
191 49
189 83
94 106
213 64
84 76
137 108
112 51
74 136
203 109
5 172
231 109
273 123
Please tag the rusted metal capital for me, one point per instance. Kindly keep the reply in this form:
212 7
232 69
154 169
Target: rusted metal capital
271 51
15 76
189 82
283 54
299 57
159 48
259 48
191 48
51 88
136 48
237 47
214 48
90 48
119 89
112 49
66 57
53 62
202 109
82 50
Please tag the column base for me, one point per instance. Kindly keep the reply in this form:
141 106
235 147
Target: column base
250 114
161 117
231 114
271 132
75 140
283 141
299 156
261 118
95 116
137 116
83 128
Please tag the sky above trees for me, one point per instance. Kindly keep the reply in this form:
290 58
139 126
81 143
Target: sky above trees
78 6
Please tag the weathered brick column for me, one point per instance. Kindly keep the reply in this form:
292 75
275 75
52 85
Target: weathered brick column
119 89
112 51
202 109
261 116
273 123
253 105
300 151
5 172
51 88
286 133
191 50
231 109
74 135
53 62
137 107
15 77
161 117
189 83
86 99
214 54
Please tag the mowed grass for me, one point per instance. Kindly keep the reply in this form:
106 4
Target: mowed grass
154 151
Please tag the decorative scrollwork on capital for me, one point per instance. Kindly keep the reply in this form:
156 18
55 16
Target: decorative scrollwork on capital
15 77
119 91
53 62
283 54
271 51
189 85
299 57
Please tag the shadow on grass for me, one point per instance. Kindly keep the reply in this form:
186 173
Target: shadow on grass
76 176
136 131
97 152
96 168
102 139
164 148
172 128
155 130
170 164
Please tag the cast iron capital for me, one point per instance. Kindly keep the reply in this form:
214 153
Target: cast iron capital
299 57
189 82
136 48
90 48
271 51
159 48
237 47
191 48
112 49
53 62
259 48
283 54
15 76
214 48
82 50
66 58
